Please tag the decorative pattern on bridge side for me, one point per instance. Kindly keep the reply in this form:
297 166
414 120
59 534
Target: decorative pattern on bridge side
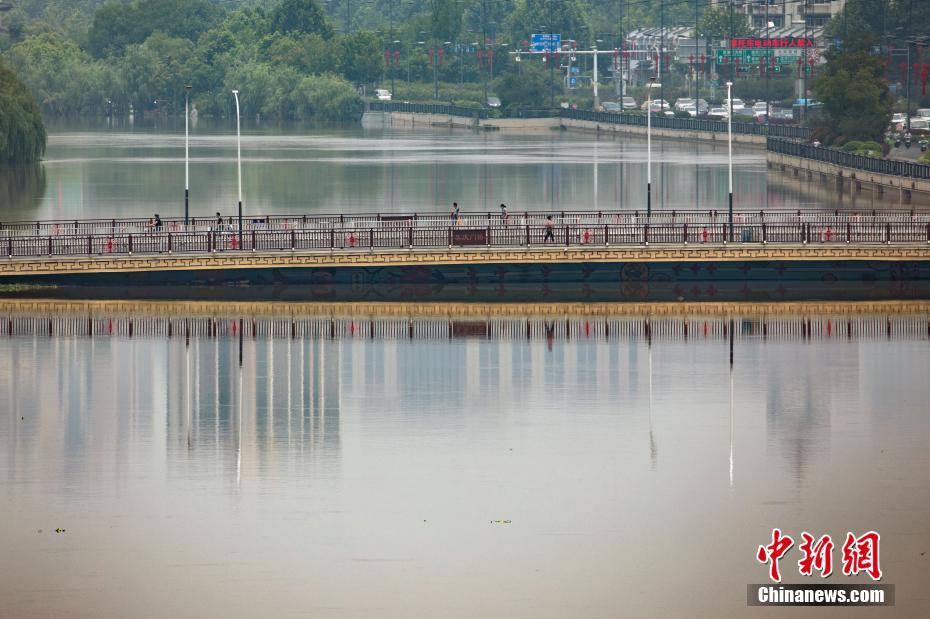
400 257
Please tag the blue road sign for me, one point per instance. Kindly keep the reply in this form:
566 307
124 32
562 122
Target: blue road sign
543 42
572 82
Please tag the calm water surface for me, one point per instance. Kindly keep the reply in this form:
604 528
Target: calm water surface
211 460
139 170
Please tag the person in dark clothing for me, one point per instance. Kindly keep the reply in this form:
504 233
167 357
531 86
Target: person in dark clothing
550 227
157 224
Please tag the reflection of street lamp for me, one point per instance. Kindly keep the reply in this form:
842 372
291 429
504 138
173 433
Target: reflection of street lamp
652 85
239 163
187 91
730 156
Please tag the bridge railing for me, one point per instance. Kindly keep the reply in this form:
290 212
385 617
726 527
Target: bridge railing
893 167
690 124
428 108
511 235
364 221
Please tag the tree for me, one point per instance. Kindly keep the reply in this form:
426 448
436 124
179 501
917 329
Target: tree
723 22
300 16
856 101
528 89
22 132
565 17
359 57
117 26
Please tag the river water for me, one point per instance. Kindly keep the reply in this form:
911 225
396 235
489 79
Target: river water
397 460
136 170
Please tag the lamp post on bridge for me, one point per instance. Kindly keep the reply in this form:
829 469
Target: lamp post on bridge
187 92
239 163
730 158
652 85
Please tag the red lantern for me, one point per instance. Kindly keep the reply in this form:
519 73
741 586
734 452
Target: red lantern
441 52
387 58
396 57
430 53
478 53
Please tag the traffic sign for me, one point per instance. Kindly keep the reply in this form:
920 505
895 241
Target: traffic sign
573 82
545 42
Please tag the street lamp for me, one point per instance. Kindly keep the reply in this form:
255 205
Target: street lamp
239 163
730 156
187 92
652 84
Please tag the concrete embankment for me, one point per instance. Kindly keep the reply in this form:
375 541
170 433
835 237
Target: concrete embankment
524 125
889 188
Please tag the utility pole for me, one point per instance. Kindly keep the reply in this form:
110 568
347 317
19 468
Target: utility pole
662 56
619 68
697 108
484 41
767 65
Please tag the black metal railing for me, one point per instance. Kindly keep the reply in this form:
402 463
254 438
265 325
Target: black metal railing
690 124
497 234
428 108
893 167
387 221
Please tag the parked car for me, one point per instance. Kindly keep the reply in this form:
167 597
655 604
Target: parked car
682 102
655 106
760 106
718 113
494 102
382 94
629 103
610 106
923 113
738 105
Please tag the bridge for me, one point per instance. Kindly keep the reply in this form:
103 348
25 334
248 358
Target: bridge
418 253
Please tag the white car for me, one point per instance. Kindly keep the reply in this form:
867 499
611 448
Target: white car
382 94
738 105
682 103
923 113
718 112
759 107
629 103
656 105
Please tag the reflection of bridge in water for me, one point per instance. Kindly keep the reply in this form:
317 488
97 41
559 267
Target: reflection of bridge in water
424 322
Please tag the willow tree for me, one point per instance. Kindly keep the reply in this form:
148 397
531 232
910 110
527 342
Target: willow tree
22 132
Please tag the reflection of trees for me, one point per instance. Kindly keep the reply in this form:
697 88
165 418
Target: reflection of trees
22 187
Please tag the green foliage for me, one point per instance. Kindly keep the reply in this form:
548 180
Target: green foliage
327 98
528 89
856 100
358 57
62 78
723 22
466 95
117 26
567 17
22 132
301 17
869 148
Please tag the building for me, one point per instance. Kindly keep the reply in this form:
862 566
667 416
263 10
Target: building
787 13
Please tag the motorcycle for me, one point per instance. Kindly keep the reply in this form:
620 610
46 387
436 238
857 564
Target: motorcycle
907 140
923 145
